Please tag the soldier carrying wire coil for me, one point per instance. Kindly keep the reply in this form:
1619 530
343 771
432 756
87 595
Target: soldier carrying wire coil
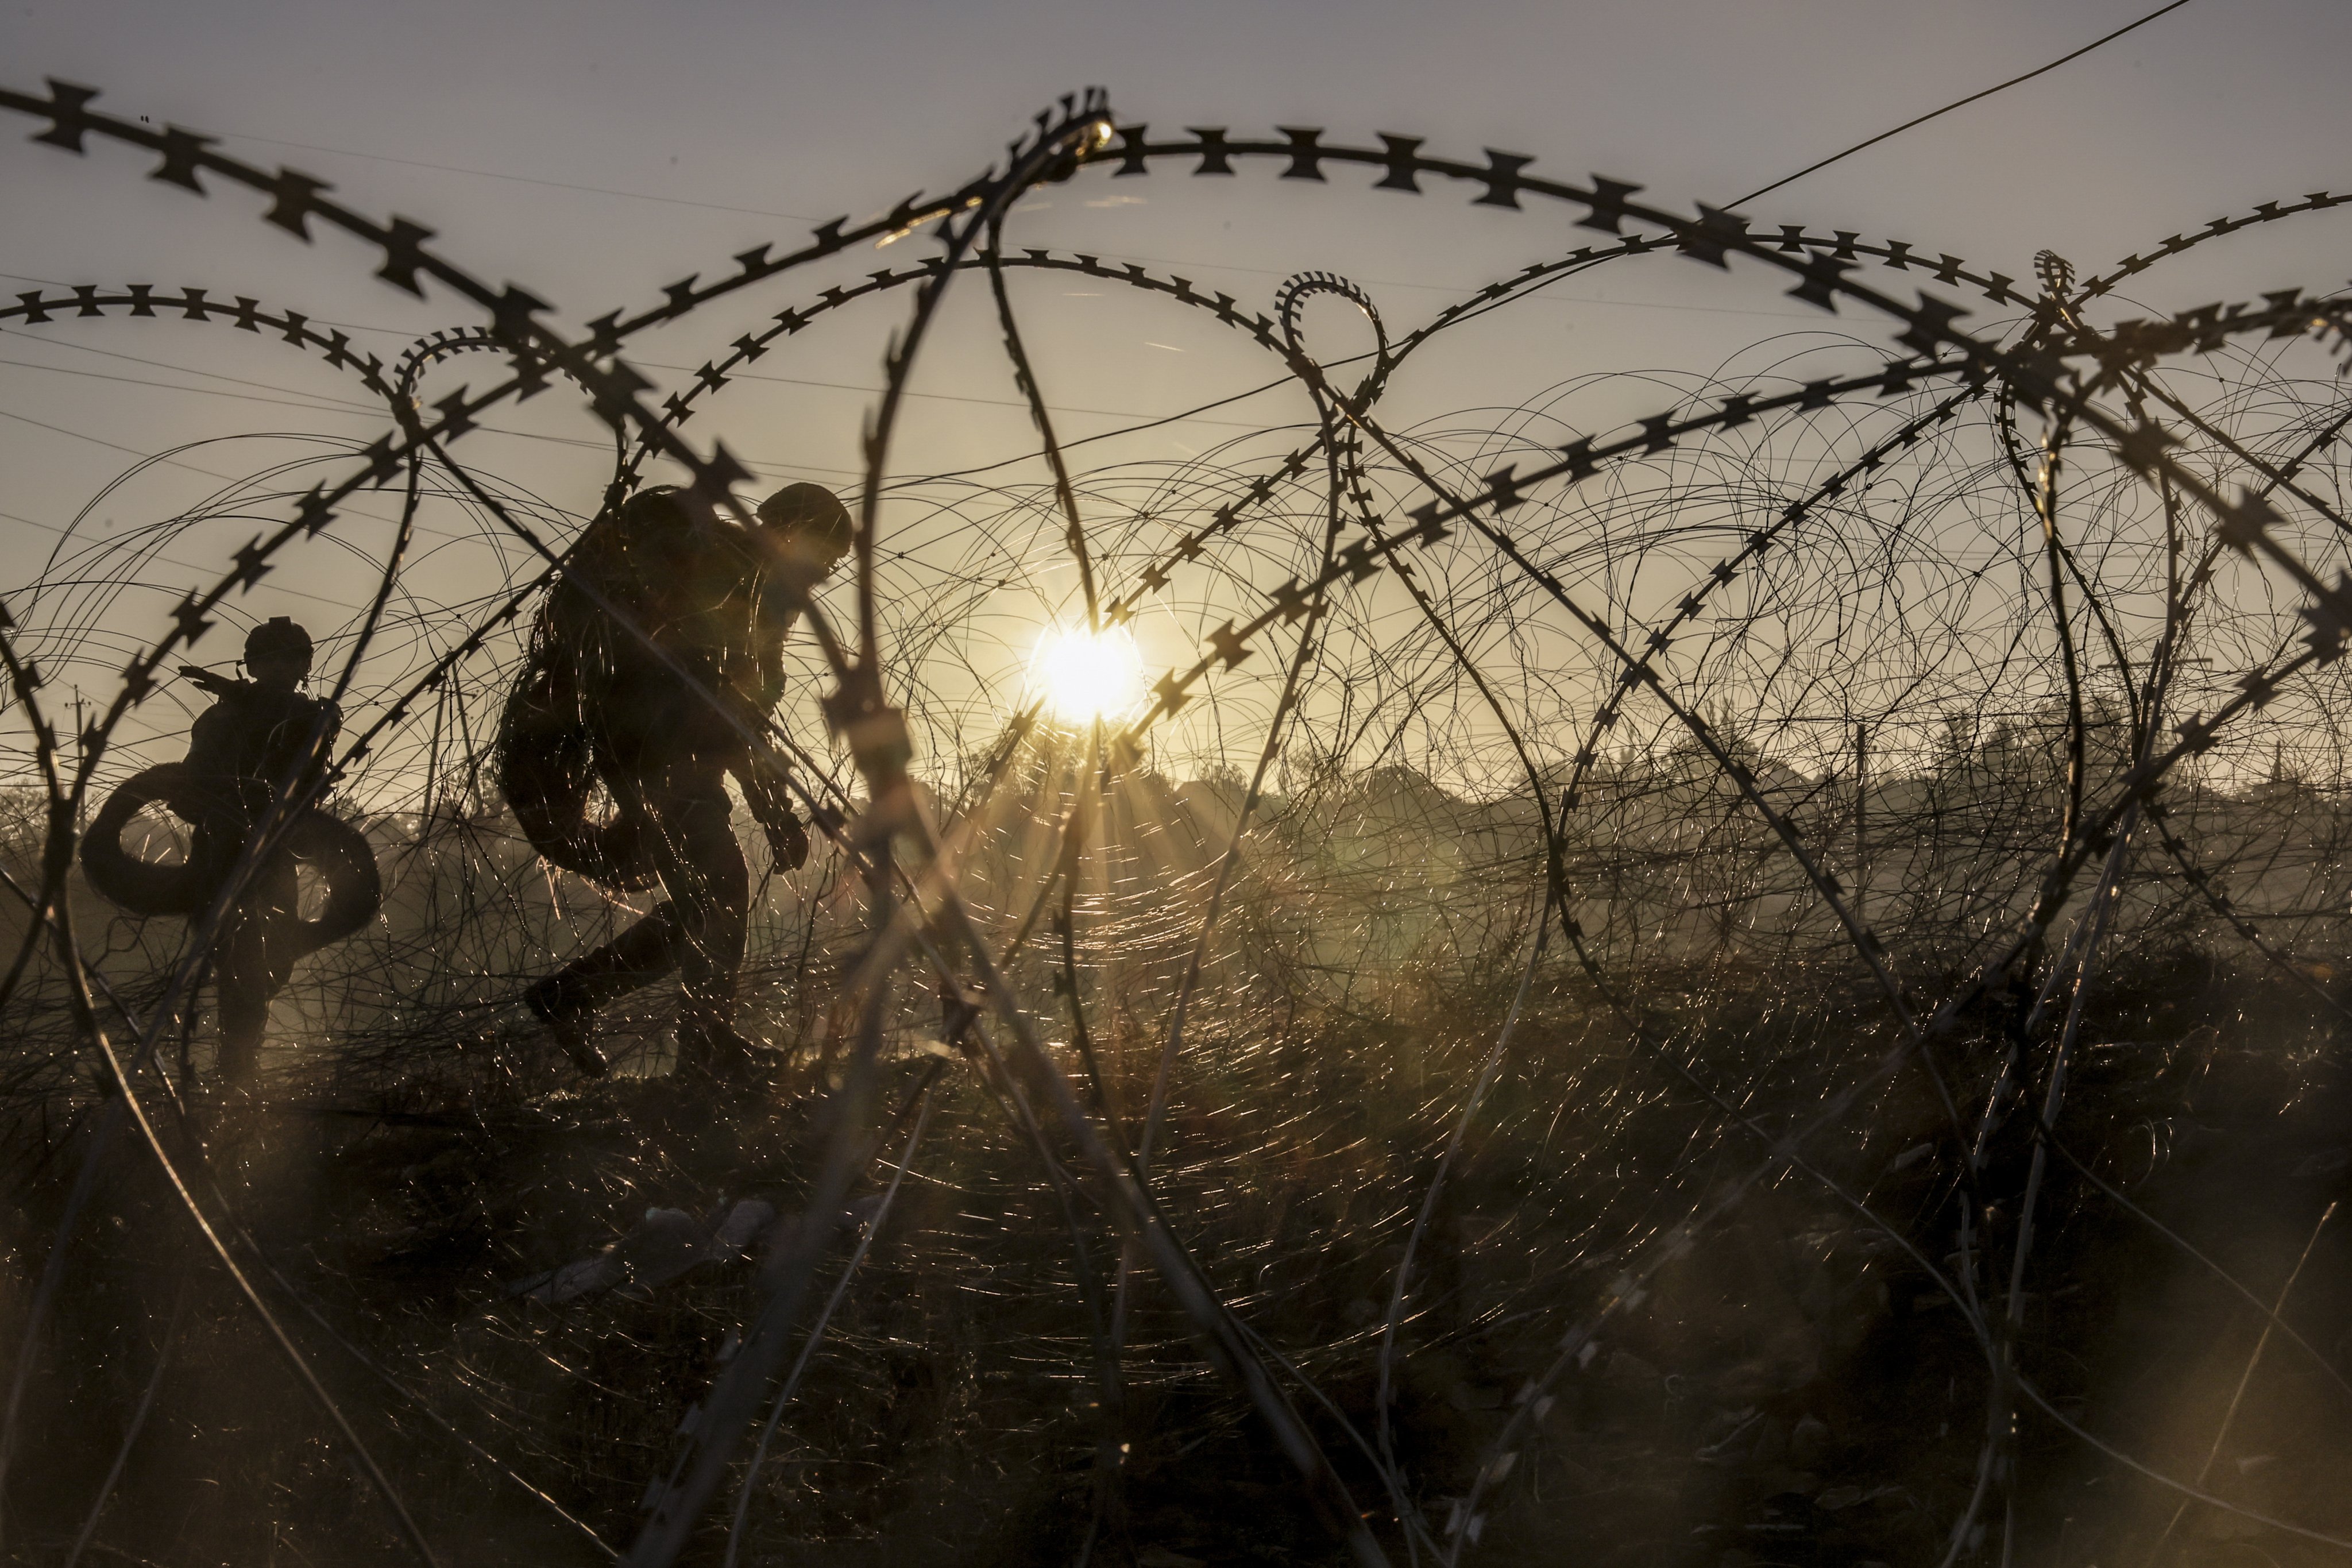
658 729
259 750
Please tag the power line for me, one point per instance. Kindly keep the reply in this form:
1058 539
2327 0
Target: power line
192 566
519 179
346 506
185 370
315 405
1958 104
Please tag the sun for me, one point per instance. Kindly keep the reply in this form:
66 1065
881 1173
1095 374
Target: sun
1083 675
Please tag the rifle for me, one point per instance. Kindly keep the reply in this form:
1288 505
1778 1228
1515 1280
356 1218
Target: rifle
213 681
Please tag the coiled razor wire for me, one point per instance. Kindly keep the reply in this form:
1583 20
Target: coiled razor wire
1651 831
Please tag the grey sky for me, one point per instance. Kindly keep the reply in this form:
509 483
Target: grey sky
814 108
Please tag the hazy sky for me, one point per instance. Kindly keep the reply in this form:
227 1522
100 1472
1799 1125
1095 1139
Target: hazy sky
809 110
595 152
726 124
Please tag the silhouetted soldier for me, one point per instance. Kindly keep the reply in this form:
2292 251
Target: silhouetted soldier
717 604
262 737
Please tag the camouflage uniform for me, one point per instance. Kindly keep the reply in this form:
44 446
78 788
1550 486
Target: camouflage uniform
664 751
249 745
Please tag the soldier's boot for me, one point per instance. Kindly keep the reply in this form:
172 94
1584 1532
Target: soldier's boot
573 1027
712 1051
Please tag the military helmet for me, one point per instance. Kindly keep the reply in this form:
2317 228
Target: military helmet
278 638
812 511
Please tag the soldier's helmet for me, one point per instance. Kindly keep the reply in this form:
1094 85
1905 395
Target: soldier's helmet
810 521
277 639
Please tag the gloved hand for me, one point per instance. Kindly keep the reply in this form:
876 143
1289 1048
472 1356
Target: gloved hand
788 842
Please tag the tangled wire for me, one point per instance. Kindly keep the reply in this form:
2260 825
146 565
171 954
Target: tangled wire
1688 879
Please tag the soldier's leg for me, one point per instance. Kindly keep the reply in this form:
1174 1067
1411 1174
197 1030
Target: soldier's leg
643 953
241 988
567 1000
712 887
251 964
699 928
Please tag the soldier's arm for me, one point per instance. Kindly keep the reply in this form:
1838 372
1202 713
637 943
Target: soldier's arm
764 792
329 724
772 808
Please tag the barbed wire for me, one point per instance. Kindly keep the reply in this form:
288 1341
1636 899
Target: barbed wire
1821 714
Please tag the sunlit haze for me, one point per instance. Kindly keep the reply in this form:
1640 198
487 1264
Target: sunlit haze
1083 675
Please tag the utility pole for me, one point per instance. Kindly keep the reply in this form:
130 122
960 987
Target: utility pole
1861 825
81 753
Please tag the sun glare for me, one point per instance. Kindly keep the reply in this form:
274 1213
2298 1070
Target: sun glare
1083 675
